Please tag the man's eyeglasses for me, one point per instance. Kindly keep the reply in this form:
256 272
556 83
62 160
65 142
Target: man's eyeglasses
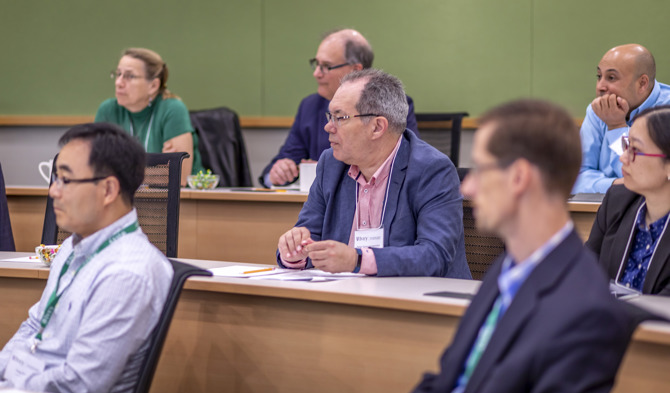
314 63
127 76
632 152
336 120
63 181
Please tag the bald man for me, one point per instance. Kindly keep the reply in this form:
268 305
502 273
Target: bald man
626 86
340 52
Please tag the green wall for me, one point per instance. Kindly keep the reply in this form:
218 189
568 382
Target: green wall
251 55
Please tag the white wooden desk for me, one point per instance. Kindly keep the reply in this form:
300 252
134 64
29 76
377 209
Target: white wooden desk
360 335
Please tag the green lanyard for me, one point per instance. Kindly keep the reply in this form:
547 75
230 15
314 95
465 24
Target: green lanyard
55 297
483 339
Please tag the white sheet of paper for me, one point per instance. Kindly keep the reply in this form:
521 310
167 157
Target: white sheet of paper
32 258
310 275
245 271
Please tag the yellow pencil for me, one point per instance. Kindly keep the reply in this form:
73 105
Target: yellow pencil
259 270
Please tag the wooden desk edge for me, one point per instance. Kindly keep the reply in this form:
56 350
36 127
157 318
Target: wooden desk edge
27 190
209 285
20 272
187 193
574 207
228 195
654 332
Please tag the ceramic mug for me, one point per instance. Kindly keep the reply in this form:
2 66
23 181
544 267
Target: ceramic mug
45 169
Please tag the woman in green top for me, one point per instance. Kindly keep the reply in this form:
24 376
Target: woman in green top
146 109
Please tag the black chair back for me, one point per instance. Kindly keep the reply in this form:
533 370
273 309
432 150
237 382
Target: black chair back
6 235
442 131
156 201
481 249
182 271
51 234
221 146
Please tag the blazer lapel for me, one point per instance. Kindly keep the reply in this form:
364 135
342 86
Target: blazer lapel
618 251
345 208
397 178
656 265
545 276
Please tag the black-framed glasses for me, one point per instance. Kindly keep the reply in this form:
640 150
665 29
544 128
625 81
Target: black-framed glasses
63 181
337 120
632 152
127 76
314 63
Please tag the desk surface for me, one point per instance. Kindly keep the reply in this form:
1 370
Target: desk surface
352 335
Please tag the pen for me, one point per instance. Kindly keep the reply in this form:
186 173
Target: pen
269 189
259 270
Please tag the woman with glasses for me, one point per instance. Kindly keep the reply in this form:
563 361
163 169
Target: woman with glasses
146 109
630 234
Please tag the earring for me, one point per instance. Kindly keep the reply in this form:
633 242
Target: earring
151 99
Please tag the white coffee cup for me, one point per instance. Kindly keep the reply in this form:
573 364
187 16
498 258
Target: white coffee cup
45 169
307 175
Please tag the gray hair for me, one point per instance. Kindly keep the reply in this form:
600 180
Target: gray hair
383 95
356 51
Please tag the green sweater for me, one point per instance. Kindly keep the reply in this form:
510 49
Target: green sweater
153 125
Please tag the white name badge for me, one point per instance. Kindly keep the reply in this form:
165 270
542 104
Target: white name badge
22 364
616 147
373 238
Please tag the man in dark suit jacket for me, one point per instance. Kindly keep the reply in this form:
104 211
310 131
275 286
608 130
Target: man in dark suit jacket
6 237
543 319
340 52
383 201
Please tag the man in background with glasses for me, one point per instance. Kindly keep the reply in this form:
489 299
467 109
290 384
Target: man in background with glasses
340 53
543 319
383 202
625 86
89 332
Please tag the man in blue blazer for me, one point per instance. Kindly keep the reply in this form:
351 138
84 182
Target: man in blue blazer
543 319
383 202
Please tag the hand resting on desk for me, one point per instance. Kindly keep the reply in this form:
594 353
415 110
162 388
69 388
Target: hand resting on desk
328 255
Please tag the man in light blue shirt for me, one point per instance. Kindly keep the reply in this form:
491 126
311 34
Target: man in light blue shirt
89 331
626 86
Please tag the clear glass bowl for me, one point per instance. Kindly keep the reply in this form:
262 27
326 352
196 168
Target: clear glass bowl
206 182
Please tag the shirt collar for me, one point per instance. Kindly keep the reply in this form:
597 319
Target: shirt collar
649 102
513 275
382 172
91 243
655 227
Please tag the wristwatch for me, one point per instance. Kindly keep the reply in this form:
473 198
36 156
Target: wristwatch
358 261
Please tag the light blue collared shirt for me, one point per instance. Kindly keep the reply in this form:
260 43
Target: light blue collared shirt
600 164
97 337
